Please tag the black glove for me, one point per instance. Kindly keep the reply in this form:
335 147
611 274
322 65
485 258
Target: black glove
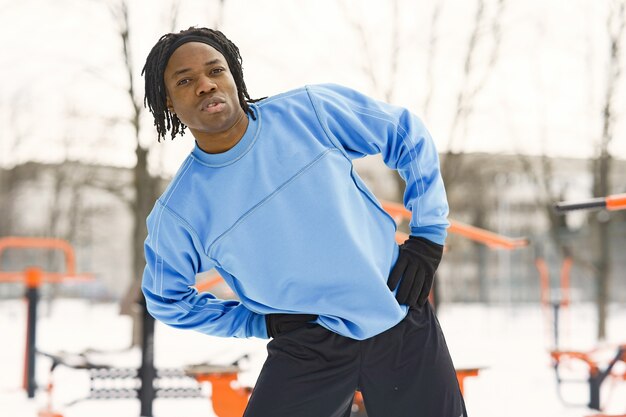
278 324
415 270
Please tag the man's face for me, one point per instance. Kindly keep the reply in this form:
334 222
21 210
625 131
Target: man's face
201 90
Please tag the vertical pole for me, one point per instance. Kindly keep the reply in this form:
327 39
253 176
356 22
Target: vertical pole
556 305
147 372
33 282
594 391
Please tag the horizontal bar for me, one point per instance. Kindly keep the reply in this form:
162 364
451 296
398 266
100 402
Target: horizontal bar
49 277
616 202
611 203
580 205
491 239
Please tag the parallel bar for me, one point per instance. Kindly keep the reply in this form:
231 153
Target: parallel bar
47 277
41 243
492 240
611 203
591 203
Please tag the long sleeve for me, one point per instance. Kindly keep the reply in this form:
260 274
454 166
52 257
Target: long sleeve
173 257
359 126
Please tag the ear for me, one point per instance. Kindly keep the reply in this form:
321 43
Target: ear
169 104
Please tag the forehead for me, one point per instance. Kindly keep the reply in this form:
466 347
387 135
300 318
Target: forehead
192 55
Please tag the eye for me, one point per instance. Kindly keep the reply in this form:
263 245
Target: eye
184 81
217 70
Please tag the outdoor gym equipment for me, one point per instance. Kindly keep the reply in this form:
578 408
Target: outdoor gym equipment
112 383
596 375
556 298
611 203
33 278
227 398
492 240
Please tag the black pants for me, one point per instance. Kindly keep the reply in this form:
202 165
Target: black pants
403 372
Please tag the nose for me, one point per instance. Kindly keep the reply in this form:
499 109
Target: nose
205 85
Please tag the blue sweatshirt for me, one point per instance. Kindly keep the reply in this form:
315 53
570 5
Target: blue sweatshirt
288 223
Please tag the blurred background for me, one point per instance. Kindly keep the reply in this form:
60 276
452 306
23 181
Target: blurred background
524 98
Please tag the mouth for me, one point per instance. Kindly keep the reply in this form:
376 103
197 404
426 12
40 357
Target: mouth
212 105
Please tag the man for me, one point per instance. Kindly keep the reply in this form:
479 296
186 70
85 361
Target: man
269 198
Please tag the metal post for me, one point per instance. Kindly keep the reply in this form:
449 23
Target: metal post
556 305
33 282
595 381
147 372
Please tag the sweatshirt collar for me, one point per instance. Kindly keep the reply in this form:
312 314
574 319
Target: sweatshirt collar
237 151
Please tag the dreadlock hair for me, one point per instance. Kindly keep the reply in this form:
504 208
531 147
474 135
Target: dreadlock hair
154 68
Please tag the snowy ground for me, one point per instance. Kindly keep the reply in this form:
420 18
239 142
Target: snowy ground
509 342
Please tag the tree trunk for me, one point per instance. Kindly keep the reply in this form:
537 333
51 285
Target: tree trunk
616 25
600 224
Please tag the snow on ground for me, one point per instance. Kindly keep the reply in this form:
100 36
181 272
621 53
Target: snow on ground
510 343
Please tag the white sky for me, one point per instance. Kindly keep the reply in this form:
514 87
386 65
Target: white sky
63 76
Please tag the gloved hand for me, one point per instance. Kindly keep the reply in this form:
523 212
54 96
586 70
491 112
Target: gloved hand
415 270
278 324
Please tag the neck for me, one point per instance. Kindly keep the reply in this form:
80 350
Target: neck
223 141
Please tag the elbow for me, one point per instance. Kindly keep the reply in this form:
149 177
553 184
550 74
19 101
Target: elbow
164 310
170 313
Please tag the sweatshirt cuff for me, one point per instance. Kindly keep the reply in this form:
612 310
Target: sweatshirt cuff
433 233
257 327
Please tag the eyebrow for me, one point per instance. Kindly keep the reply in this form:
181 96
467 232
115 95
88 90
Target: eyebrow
206 64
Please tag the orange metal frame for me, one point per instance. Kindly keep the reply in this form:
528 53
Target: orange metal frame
492 240
616 202
544 279
33 277
559 356
228 401
30 276
585 357
610 202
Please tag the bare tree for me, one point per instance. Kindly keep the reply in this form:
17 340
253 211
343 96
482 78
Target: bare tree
144 187
432 46
601 164
485 29
550 191
385 89
7 180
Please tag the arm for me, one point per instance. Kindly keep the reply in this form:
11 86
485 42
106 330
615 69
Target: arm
359 126
173 257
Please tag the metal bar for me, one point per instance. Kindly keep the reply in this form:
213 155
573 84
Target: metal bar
616 202
490 239
580 205
611 203
147 372
33 282
41 243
